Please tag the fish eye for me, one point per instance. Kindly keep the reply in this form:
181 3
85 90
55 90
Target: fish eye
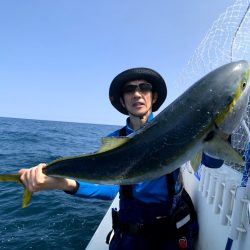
243 84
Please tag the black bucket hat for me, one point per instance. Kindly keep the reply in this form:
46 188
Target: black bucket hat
151 76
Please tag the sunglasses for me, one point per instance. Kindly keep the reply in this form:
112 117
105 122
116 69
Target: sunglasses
141 87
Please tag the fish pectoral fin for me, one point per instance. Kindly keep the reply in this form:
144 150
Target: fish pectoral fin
26 197
109 143
196 161
221 149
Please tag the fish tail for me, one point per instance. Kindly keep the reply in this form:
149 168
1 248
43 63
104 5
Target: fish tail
10 177
26 197
16 178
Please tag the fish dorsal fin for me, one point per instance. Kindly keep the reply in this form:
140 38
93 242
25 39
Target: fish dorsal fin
109 143
196 161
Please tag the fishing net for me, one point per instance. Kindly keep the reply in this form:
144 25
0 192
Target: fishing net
227 40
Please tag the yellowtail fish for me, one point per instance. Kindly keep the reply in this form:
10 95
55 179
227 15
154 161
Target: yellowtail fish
193 123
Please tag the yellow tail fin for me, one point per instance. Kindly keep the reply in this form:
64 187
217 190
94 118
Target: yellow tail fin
10 177
196 161
26 197
15 178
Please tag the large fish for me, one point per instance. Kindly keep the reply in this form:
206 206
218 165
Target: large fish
193 123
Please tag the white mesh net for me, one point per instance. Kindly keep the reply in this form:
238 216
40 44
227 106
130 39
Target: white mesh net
227 40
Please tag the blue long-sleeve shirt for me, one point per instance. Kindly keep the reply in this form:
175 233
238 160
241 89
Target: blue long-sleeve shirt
152 191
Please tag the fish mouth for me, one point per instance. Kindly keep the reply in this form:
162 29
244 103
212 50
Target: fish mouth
229 118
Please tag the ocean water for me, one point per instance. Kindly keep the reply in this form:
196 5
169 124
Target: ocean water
53 219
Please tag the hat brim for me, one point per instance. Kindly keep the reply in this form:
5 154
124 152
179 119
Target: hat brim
151 76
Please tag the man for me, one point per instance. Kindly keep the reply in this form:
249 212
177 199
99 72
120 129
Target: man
155 214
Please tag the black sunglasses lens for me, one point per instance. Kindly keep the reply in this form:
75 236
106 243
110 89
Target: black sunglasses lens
129 88
143 87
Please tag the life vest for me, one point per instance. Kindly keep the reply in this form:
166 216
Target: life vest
141 211
164 220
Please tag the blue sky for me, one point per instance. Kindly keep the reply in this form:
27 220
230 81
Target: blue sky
58 57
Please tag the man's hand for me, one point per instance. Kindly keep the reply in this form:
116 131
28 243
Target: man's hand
35 180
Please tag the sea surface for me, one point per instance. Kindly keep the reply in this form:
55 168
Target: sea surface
53 219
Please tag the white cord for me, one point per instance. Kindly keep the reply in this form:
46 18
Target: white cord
246 129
